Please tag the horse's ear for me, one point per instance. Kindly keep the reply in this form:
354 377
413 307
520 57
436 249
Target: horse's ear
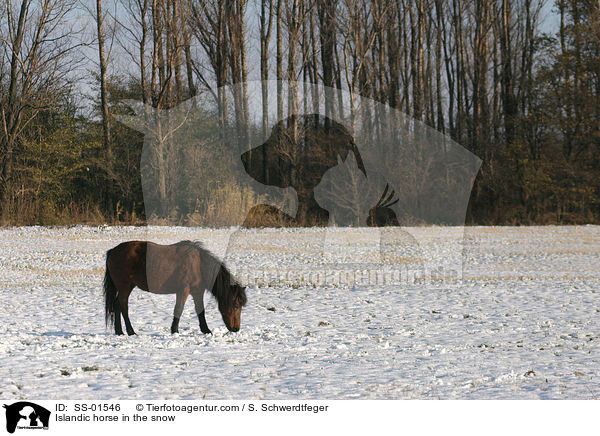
242 295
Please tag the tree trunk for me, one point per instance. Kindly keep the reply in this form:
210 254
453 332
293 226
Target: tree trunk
265 37
103 92
279 61
326 10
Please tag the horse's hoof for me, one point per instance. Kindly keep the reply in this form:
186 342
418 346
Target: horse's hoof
174 331
131 334
208 332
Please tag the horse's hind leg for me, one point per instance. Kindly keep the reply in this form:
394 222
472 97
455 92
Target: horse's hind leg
179 304
198 297
118 326
118 310
124 309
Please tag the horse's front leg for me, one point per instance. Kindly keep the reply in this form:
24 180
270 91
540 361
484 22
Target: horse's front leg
199 303
179 305
203 326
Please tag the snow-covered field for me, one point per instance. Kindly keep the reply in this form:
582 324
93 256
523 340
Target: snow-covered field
523 323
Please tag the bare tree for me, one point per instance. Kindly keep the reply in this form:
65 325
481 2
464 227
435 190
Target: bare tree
38 39
266 24
103 85
209 26
327 26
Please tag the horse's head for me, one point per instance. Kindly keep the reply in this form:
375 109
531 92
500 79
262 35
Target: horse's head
231 308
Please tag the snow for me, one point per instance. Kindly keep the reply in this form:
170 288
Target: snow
523 323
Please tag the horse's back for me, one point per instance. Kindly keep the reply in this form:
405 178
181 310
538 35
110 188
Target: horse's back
171 268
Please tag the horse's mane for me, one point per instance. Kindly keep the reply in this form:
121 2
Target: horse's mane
221 289
224 281
194 245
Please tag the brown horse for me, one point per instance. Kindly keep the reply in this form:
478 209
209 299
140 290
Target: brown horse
183 268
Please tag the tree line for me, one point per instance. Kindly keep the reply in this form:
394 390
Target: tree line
493 75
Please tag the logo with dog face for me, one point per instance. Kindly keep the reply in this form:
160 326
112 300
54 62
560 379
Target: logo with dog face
299 151
355 163
26 415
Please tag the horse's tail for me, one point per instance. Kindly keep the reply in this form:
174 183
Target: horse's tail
110 296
